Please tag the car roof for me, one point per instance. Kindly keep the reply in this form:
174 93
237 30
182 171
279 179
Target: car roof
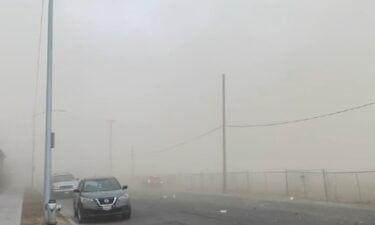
62 174
97 178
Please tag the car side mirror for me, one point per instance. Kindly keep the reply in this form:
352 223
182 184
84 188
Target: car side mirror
76 191
124 187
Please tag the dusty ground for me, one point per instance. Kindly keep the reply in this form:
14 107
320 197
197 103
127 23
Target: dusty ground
157 207
32 210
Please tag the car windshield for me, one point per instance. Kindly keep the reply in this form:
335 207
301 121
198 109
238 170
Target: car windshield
62 178
101 185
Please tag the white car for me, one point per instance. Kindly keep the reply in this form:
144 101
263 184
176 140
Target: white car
63 185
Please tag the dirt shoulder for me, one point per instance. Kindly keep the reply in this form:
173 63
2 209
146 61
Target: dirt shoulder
32 209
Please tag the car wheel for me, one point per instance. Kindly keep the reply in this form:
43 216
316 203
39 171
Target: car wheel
127 215
80 216
74 209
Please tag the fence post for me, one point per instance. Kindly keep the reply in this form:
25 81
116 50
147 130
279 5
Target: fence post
286 183
359 187
248 181
303 178
325 184
336 186
192 181
266 182
202 181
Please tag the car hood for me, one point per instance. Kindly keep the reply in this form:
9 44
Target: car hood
103 194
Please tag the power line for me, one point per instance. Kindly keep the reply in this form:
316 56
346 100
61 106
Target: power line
38 58
175 146
36 94
303 119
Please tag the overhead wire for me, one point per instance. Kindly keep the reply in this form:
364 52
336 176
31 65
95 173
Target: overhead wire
175 147
38 58
187 141
303 119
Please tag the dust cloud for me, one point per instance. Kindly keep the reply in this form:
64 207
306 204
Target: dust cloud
154 67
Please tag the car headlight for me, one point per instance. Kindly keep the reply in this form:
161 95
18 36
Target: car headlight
86 200
123 197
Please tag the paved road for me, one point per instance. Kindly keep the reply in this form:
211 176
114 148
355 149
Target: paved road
187 209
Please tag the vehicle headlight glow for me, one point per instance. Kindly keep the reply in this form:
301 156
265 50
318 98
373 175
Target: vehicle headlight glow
123 197
86 200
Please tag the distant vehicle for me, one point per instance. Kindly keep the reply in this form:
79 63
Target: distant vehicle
63 185
153 182
101 197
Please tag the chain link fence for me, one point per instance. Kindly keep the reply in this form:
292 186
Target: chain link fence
321 185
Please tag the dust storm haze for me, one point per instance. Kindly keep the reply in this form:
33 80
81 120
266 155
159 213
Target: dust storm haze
155 67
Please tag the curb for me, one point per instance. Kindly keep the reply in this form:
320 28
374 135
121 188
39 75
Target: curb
67 220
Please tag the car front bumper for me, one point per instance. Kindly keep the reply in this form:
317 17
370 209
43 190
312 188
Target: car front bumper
113 212
63 193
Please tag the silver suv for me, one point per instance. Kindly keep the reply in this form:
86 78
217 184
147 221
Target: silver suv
101 197
63 185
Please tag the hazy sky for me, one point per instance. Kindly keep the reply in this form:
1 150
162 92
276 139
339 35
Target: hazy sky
155 67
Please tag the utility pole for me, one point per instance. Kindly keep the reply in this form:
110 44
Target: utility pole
224 141
33 150
35 115
132 161
110 146
48 134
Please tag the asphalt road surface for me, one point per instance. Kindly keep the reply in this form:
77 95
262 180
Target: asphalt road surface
159 208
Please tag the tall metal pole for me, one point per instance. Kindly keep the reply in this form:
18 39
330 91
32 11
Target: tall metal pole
33 166
110 146
132 161
33 150
47 159
224 141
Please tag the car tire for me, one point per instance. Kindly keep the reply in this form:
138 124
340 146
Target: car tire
128 214
81 217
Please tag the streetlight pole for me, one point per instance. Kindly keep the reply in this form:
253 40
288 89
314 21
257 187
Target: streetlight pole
35 115
48 134
224 141
33 151
132 161
110 146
